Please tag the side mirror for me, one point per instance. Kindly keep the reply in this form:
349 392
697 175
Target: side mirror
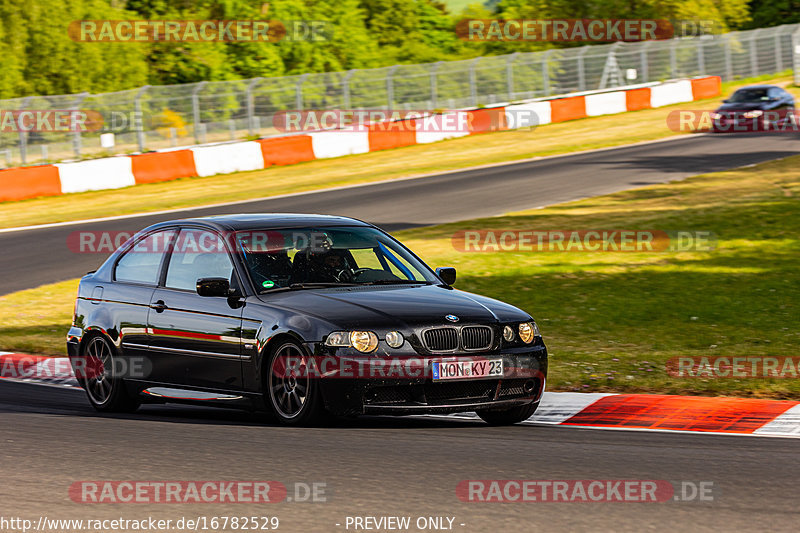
447 274
726 101
213 287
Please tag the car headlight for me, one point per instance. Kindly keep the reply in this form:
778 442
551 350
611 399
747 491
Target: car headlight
528 331
508 333
753 114
338 338
394 339
363 341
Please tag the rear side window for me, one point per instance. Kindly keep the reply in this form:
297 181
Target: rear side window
142 262
197 254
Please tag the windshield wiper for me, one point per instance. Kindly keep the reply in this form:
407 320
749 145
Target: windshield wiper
308 285
396 282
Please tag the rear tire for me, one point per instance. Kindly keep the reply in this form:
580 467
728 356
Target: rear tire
291 389
106 392
507 417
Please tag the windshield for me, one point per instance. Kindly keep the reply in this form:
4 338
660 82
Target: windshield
335 255
749 95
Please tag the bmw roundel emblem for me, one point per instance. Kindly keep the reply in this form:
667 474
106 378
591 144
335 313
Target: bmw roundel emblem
451 318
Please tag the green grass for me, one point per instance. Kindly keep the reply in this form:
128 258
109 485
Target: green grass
611 320
490 148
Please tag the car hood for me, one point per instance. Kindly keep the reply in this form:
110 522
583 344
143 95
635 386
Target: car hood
396 306
743 106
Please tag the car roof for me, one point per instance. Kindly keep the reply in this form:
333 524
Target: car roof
253 221
757 87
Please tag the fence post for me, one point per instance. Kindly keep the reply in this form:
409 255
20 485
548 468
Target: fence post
473 82
346 88
728 58
23 135
298 92
582 68
390 86
796 55
546 73
754 53
435 84
673 58
76 136
251 106
137 105
510 75
196 110
778 52
643 64
701 58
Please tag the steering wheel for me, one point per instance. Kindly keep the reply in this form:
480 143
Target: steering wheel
358 271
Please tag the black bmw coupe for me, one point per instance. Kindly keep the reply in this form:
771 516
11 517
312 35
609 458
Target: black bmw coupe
299 316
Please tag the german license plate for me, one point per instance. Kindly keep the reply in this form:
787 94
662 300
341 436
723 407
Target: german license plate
476 369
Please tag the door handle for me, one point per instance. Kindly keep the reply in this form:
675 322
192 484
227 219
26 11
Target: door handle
159 306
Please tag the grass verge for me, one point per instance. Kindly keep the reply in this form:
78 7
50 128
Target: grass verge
610 319
499 147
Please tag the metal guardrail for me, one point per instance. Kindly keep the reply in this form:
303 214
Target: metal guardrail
158 117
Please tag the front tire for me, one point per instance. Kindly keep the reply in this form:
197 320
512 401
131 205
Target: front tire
291 389
507 417
106 392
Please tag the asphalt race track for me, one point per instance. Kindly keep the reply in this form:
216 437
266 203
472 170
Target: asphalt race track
51 438
38 256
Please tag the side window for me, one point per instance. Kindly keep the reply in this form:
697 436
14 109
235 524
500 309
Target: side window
142 262
197 254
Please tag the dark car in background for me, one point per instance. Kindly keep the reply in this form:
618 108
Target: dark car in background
753 108
297 315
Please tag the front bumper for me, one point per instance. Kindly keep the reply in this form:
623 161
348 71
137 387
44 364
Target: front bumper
523 382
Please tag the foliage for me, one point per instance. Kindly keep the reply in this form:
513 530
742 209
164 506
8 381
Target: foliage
40 58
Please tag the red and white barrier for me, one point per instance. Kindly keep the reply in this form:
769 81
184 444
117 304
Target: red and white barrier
123 171
674 92
339 143
227 158
606 103
96 174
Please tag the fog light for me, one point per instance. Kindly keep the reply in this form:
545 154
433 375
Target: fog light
526 332
508 333
364 341
394 339
753 114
